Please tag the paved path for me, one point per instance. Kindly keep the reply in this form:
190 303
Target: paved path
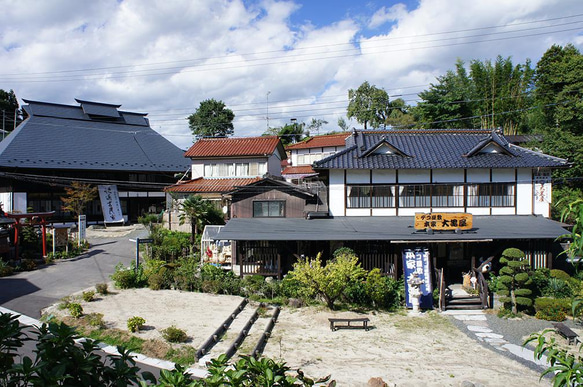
29 292
477 326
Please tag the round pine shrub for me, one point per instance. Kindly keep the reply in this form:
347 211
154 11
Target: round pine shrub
174 335
560 274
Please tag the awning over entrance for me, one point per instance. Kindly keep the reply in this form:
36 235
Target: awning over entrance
396 229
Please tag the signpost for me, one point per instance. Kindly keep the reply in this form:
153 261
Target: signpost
443 221
82 229
138 242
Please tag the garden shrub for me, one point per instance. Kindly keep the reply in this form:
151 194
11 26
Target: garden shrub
174 335
135 323
5 269
129 277
560 274
102 289
88 296
27 265
557 288
540 280
168 245
95 320
552 309
186 273
75 309
292 288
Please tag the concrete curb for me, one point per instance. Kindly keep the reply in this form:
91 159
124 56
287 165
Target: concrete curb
111 350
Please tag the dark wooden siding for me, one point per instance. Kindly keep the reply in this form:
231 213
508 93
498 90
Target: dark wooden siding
294 206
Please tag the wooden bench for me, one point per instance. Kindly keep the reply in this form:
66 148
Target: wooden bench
347 323
567 333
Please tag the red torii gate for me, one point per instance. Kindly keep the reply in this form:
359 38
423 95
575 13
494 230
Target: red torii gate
36 218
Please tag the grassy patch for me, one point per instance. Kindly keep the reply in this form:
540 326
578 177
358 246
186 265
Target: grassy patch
117 337
184 355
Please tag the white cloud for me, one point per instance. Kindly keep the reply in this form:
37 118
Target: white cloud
165 57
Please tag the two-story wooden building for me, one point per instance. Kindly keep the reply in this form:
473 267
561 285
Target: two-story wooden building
381 180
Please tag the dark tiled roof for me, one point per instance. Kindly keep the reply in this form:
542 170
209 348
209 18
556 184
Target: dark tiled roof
65 137
267 184
201 185
322 141
235 147
425 149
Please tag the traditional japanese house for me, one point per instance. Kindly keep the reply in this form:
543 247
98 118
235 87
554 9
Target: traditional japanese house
94 143
459 195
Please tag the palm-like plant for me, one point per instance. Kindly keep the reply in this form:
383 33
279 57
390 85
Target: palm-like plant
194 209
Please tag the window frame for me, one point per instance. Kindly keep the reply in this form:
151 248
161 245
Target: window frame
281 208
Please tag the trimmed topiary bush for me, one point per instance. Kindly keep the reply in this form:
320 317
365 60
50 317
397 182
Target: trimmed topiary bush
560 274
514 281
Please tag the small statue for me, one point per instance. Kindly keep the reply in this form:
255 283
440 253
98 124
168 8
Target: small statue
415 291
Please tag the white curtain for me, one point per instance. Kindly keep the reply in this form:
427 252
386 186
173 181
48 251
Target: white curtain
472 195
458 195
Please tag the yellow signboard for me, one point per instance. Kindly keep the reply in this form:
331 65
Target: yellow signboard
443 221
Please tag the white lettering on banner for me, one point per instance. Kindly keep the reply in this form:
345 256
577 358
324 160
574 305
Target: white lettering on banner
110 204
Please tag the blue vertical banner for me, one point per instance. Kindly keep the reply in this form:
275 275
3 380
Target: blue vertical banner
417 261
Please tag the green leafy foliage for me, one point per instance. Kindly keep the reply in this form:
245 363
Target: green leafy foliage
135 323
369 105
129 277
565 368
168 245
199 212
212 119
552 309
514 281
75 309
78 195
330 280
289 133
174 335
88 296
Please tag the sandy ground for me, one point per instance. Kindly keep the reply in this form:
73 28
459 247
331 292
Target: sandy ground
402 350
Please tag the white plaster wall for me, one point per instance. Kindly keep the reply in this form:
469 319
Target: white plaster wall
412 211
358 176
337 192
503 175
384 212
479 210
478 175
357 212
384 176
448 176
502 210
524 192
333 148
197 169
414 176
447 209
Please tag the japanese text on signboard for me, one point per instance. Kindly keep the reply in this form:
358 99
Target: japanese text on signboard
443 221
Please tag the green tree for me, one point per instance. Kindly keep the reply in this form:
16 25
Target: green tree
316 125
342 124
559 89
369 105
212 119
289 133
10 113
78 195
399 115
328 281
514 280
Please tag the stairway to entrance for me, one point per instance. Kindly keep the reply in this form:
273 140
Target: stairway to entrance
458 299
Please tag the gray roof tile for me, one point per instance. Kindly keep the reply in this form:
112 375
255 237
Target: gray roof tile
63 137
435 149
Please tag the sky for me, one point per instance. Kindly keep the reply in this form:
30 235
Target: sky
269 61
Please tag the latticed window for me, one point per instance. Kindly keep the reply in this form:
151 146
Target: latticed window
269 209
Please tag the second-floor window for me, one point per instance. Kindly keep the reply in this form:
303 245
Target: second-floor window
431 195
235 169
269 209
309 158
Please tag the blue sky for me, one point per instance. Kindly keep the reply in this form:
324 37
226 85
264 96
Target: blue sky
264 58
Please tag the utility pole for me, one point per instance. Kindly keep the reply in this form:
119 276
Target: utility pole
3 123
267 108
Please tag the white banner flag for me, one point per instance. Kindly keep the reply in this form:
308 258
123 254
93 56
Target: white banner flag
110 204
